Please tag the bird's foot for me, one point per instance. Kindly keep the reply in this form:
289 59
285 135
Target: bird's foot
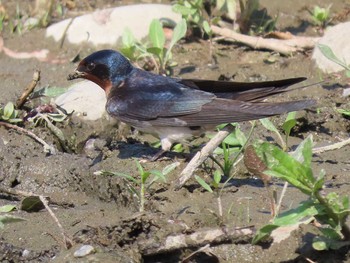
157 156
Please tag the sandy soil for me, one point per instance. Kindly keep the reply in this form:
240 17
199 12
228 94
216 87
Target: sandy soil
99 210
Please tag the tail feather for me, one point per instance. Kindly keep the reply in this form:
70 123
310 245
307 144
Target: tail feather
224 111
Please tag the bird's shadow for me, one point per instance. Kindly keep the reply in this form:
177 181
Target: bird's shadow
136 149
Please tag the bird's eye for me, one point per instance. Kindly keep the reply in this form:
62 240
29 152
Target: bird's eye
90 66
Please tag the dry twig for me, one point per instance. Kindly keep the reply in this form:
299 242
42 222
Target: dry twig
196 239
68 243
285 47
202 155
47 148
331 147
28 90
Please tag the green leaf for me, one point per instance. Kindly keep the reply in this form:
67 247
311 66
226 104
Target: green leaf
227 7
31 204
129 44
178 148
240 136
7 208
220 4
15 120
178 33
183 10
158 175
268 125
344 112
203 184
232 140
139 167
298 154
128 38
307 152
156 34
319 182
8 110
167 169
48 91
282 165
306 209
328 53
330 233
6 219
126 176
155 51
288 126
207 28
217 178
320 243
295 181
263 233
346 202
143 174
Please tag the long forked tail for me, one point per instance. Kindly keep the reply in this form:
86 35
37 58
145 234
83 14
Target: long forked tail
244 91
224 111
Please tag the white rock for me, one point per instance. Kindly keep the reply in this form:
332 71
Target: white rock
346 92
85 98
84 251
107 26
338 39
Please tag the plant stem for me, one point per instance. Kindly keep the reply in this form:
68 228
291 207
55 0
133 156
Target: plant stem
47 148
219 205
284 190
142 197
57 132
235 160
344 227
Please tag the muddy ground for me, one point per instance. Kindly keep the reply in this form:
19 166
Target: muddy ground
98 210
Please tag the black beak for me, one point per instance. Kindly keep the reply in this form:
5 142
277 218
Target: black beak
76 75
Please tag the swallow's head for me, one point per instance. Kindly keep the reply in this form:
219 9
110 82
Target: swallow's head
107 68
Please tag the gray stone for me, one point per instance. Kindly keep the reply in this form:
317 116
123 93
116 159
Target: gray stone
107 26
86 99
84 251
338 39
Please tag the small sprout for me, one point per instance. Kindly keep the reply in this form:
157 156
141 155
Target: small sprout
5 218
214 188
155 51
287 127
7 208
320 16
9 113
344 112
143 183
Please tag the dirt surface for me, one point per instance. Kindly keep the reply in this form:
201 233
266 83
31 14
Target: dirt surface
99 210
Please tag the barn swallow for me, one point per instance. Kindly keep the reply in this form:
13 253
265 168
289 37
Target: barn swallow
177 109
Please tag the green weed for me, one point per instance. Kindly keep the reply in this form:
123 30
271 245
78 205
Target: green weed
139 187
331 210
5 218
155 50
328 53
321 16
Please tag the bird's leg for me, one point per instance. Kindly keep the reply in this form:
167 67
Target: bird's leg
157 155
166 146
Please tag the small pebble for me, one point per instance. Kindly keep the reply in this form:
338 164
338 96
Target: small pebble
346 92
25 253
84 251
